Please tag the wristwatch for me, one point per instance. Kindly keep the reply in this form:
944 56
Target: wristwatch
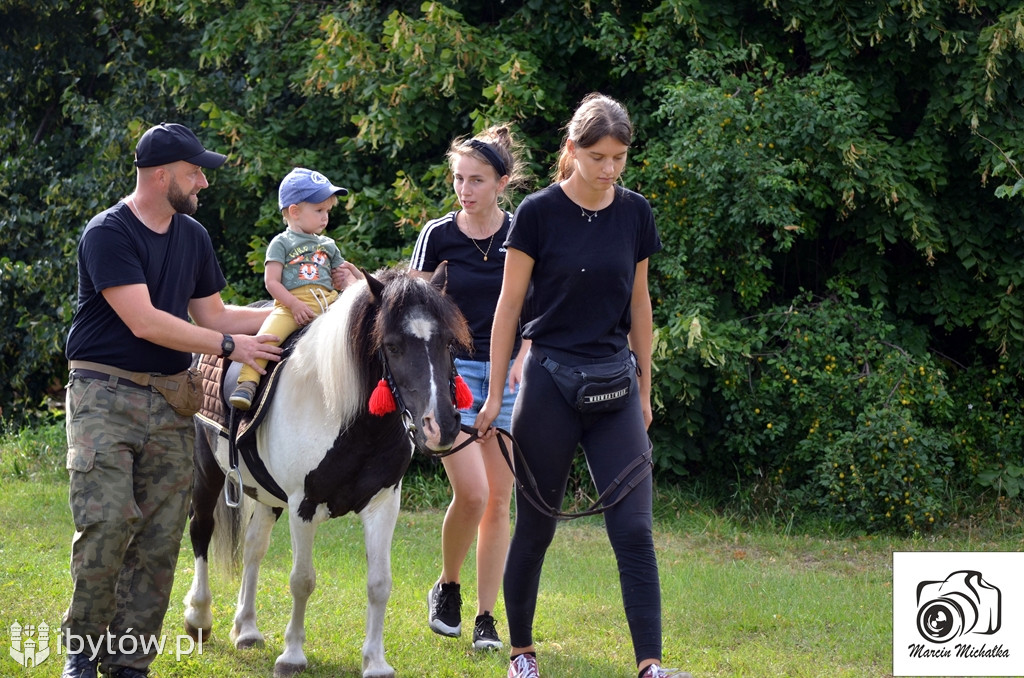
227 346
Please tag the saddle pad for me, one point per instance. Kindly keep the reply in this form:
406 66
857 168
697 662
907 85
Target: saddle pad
219 378
213 409
216 411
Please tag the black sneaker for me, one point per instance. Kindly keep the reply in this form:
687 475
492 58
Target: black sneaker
444 603
485 637
127 672
79 665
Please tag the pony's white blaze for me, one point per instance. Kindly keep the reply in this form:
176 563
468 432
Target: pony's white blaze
420 326
423 328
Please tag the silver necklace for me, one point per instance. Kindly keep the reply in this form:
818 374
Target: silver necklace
590 216
137 210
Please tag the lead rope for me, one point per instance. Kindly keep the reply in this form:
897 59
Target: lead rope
532 492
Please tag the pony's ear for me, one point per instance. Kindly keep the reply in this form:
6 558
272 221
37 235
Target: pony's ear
440 277
376 287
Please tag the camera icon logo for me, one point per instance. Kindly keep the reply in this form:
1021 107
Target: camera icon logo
961 603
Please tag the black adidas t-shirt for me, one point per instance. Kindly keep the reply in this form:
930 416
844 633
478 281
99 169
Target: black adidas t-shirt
474 284
582 284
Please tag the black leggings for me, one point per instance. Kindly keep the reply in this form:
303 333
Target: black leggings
548 430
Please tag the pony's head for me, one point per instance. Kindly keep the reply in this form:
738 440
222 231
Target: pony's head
415 330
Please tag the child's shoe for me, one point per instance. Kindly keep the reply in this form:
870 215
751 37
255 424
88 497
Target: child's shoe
241 399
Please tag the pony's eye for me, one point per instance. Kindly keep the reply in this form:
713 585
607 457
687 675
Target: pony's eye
391 348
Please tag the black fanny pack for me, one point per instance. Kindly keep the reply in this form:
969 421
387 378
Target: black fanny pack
595 387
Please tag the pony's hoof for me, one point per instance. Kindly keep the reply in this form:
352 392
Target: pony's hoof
379 673
248 642
286 669
197 633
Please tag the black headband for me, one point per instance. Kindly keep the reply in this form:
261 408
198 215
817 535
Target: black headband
490 154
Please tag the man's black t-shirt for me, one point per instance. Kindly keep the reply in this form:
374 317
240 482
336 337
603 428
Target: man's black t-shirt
117 249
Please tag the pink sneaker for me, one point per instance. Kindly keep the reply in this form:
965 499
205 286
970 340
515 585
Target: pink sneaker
655 671
523 666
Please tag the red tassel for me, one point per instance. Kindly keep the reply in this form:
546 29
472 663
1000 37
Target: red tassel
463 396
382 401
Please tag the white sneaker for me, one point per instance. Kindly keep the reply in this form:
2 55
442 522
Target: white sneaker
523 666
655 671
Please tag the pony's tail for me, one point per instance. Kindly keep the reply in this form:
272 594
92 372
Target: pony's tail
226 543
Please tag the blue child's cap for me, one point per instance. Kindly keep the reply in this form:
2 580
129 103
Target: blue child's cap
304 185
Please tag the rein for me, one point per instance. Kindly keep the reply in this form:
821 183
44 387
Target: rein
527 484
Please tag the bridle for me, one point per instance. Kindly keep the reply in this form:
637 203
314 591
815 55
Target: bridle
408 421
457 387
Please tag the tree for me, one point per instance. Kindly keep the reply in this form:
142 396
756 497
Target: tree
63 157
797 156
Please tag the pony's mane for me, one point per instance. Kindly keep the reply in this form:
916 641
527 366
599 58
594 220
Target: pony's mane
339 349
327 357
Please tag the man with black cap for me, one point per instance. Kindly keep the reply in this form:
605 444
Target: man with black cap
148 297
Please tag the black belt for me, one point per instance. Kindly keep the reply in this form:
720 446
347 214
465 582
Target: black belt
93 374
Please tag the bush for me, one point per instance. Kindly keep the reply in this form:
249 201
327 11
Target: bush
824 410
887 473
987 432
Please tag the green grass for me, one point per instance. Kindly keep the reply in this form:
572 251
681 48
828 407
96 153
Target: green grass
739 599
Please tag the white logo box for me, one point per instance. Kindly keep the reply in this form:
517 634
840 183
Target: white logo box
958 613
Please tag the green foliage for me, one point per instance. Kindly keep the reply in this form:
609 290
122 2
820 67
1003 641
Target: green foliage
887 473
850 162
821 388
989 427
57 175
746 162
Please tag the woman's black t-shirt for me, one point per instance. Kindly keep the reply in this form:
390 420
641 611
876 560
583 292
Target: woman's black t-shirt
582 283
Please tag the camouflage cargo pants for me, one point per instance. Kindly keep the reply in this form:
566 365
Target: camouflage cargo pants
130 467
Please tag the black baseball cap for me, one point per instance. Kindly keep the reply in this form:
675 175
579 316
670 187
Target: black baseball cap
170 142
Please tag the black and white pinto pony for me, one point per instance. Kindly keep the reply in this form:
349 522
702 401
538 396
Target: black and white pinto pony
331 454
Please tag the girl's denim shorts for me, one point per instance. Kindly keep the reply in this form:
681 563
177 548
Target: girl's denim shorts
477 374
